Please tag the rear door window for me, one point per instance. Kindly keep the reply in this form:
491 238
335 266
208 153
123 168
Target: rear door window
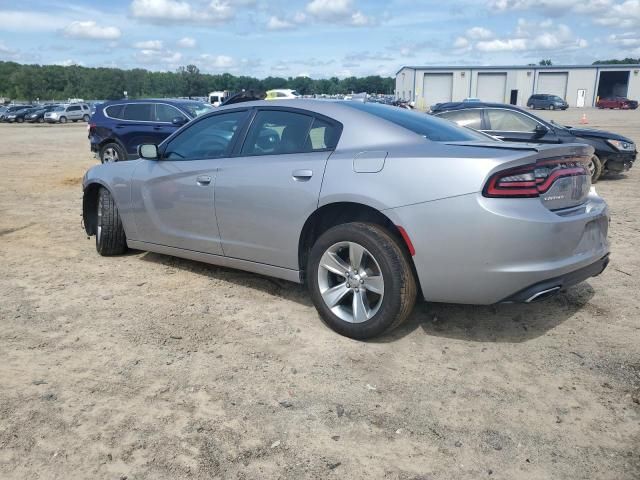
465 118
278 132
73 108
139 112
510 121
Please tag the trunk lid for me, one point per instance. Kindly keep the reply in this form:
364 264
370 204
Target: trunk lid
558 175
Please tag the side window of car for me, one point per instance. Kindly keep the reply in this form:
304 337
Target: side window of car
140 112
211 137
74 108
510 121
322 136
114 111
166 113
278 132
471 118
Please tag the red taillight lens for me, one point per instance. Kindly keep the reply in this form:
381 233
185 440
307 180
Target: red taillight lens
533 180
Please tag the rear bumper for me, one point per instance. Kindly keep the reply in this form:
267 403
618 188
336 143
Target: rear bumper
476 250
546 288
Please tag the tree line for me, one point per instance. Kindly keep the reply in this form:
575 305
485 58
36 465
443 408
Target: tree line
48 82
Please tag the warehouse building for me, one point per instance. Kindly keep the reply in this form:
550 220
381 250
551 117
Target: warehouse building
579 85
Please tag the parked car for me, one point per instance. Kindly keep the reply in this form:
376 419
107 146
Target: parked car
366 203
64 113
10 109
18 116
622 103
37 114
547 102
613 152
118 127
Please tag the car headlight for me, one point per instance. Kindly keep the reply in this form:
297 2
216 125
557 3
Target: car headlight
622 145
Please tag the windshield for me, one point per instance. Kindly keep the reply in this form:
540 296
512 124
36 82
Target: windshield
196 109
430 127
558 99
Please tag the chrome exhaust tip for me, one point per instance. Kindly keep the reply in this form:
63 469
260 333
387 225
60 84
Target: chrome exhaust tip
542 294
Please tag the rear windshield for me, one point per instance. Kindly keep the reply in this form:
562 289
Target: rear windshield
430 127
196 108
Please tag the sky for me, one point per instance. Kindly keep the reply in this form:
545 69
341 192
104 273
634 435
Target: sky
316 38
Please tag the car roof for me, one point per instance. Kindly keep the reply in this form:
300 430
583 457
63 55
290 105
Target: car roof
146 100
441 107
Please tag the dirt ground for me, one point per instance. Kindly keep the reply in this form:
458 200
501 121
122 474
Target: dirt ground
150 367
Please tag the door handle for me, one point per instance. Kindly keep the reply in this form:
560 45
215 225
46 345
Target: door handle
203 180
302 175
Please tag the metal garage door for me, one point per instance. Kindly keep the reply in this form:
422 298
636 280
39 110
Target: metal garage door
491 87
436 88
553 84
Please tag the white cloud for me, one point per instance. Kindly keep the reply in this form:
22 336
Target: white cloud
277 23
67 63
214 11
461 43
149 45
479 33
90 29
217 62
340 11
187 42
623 15
14 20
506 45
628 39
162 58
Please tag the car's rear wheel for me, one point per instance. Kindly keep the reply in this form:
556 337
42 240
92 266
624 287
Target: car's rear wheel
111 152
63 119
360 280
85 118
595 168
110 236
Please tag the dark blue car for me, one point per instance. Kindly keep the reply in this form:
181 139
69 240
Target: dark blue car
118 127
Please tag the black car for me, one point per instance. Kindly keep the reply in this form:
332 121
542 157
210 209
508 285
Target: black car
4 116
19 116
37 115
613 152
118 127
547 102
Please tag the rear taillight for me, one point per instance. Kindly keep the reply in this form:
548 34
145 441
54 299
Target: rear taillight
91 126
533 180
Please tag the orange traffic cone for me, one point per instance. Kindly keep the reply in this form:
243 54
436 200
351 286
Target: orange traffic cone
583 120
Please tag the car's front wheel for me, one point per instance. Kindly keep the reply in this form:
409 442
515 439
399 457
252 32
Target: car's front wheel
360 280
63 119
111 152
552 107
595 168
110 236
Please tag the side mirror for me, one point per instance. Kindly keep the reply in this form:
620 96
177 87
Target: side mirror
540 130
148 151
179 121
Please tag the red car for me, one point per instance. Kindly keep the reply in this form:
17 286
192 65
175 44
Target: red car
617 102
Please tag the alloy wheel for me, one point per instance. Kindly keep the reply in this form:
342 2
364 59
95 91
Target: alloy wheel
351 282
109 155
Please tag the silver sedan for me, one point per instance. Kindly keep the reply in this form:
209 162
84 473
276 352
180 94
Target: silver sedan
371 206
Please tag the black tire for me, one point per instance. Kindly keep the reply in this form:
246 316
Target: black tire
85 118
20 120
399 283
110 236
111 152
596 169
63 119
530 106
40 120
552 107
